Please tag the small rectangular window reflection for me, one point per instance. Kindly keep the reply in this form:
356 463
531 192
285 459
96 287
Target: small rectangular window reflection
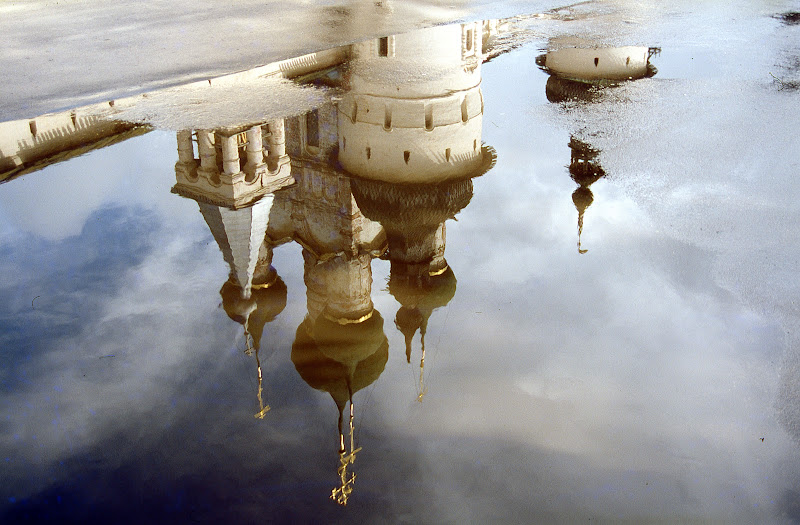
312 129
383 46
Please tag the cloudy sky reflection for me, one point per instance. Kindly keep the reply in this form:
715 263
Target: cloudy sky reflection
636 381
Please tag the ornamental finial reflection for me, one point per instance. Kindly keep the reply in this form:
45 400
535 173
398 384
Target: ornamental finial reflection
585 169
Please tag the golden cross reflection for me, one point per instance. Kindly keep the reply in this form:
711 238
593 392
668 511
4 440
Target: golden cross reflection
250 350
422 388
341 494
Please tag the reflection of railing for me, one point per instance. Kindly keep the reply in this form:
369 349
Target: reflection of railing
229 167
58 145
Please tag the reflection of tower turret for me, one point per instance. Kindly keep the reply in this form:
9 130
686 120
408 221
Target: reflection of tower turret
253 295
410 131
414 109
578 70
232 182
414 219
584 169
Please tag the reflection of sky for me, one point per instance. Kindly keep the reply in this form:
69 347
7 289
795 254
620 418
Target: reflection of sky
625 382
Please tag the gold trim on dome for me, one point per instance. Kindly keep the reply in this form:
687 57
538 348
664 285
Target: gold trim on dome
344 321
438 272
264 286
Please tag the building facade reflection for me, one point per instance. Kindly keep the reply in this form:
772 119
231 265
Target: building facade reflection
375 174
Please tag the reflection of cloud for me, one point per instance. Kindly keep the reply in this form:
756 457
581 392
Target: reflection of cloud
55 203
102 302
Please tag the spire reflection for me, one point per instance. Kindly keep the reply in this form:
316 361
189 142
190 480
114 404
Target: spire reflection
579 70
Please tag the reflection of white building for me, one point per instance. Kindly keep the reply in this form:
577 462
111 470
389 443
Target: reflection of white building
414 108
31 144
587 62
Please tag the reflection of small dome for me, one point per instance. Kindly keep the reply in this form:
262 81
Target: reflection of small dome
421 290
340 377
263 305
582 198
408 320
409 207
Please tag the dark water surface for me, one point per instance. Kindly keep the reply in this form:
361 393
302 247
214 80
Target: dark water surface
541 297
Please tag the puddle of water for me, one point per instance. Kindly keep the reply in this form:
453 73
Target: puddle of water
554 285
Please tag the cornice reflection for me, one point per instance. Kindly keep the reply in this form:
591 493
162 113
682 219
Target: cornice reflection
579 70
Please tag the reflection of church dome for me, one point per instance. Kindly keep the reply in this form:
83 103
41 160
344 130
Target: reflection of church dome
263 305
349 343
582 198
340 360
419 294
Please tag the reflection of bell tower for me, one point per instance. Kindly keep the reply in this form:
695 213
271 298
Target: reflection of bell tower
232 182
585 169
